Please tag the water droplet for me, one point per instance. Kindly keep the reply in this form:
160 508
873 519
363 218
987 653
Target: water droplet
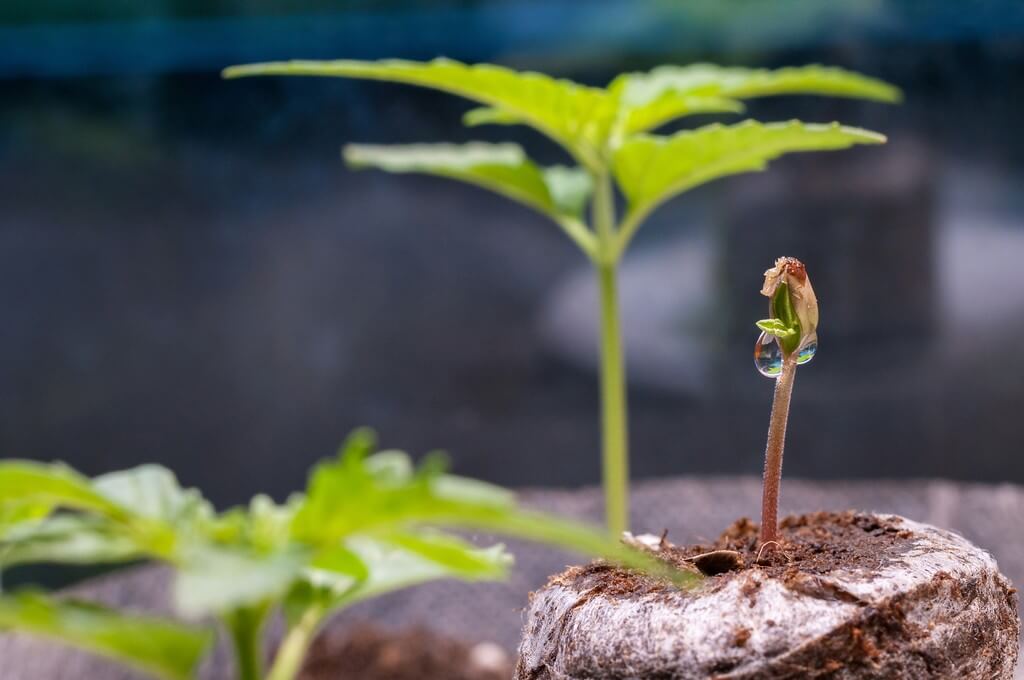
768 356
808 351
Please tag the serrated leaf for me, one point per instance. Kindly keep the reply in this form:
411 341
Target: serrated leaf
67 539
651 169
502 168
576 116
162 648
670 106
667 92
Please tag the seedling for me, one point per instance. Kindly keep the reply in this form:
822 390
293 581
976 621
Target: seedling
368 523
788 338
607 134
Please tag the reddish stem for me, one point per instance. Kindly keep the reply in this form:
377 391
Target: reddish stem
773 451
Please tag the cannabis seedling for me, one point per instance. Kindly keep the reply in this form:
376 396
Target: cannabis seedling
368 523
606 132
788 338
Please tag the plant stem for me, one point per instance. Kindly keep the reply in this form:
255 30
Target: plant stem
292 651
614 435
773 451
246 628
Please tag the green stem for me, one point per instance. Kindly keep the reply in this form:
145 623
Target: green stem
614 434
246 629
292 651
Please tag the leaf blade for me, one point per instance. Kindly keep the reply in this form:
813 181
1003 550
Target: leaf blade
655 97
574 115
502 168
162 648
652 169
214 579
346 503
67 539
557 192
53 485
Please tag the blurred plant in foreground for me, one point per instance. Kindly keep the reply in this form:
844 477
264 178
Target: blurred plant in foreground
368 523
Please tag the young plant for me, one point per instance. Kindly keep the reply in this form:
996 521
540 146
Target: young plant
788 338
607 133
368 523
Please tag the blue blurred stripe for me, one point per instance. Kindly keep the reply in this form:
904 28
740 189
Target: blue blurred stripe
485 32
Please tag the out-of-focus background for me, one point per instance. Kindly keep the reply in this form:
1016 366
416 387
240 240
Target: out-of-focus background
189 274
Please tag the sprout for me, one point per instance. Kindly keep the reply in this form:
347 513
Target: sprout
788 338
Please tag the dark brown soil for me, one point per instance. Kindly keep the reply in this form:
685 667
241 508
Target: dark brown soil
368 653
813 544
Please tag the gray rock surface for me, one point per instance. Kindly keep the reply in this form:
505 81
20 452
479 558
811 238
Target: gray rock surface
691 509
939 609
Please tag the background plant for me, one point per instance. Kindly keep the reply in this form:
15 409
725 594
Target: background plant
607 133
368 523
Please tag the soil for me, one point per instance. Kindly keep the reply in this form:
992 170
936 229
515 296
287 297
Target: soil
814 557
810 545
369 653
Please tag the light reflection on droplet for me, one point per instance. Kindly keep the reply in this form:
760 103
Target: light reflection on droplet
808 351
768 356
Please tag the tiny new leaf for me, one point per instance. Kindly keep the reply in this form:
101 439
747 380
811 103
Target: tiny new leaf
777 328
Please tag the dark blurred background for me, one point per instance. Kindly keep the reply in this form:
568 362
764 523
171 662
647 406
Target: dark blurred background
189 274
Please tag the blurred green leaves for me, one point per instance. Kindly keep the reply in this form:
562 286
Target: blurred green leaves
164 649
369 522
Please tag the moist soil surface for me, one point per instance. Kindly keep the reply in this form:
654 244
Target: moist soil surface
810 545
369 653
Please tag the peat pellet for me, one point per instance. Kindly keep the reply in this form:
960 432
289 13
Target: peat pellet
844 595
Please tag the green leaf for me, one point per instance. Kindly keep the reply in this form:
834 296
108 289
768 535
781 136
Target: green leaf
392 567
487 115
216 579
52 485
651 169
350 499
162 648
341 560
670 106
153 492
67 539
570 188
458 557
668 92
15 513
558 192
777 328
576 116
